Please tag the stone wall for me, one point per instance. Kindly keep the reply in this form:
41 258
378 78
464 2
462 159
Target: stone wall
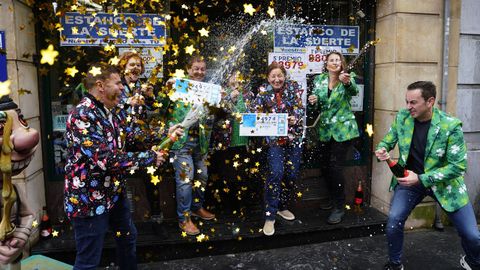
410 50
468 93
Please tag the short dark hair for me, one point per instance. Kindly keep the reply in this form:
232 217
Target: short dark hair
105 72
275 65
427 88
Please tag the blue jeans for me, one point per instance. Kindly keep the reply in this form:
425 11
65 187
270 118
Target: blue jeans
403 202
190 177
90 233
284 164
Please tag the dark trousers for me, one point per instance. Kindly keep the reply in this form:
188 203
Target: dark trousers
332 161
90 233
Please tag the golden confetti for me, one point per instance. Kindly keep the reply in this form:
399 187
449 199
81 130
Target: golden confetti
190 49
151 170
201 238
95 71
48 55
5 88
369 130
197 184
155 180
179 73
248 8
232 49
71 71
55 233
34 223
299 194
203 32
184 234
271 12
118 234
109 48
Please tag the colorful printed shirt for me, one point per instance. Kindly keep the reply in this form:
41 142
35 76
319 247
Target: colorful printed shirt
287 100
96 162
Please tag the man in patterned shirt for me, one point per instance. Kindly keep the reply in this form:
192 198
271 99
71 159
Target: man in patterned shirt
433 152
96 167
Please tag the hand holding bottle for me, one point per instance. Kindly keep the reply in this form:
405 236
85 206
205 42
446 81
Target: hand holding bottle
410 179
382 154
175 131
160 157
344 78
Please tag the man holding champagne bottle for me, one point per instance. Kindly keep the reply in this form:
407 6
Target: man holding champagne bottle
433 153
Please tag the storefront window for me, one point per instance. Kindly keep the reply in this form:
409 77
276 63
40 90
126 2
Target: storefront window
223 31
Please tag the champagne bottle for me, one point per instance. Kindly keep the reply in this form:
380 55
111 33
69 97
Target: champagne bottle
359 194
397 169
45 225
166 144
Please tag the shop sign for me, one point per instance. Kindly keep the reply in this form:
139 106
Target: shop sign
3 57
295 37
122 29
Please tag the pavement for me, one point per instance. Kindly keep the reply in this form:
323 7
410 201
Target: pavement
423 250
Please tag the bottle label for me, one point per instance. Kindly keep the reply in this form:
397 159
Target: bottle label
358 200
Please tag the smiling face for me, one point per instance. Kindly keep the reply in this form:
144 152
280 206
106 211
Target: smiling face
23 138
133 69
111 90
276 78
418 107
197 71
334 63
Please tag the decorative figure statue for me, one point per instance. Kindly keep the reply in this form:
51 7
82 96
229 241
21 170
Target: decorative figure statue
18 143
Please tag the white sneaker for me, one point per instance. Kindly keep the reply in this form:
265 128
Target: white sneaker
464 263
285 214
269 227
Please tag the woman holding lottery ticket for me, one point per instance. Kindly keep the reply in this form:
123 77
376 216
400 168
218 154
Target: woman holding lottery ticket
281 95
332 92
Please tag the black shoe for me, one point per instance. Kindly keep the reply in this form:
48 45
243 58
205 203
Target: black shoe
336 216
393 266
